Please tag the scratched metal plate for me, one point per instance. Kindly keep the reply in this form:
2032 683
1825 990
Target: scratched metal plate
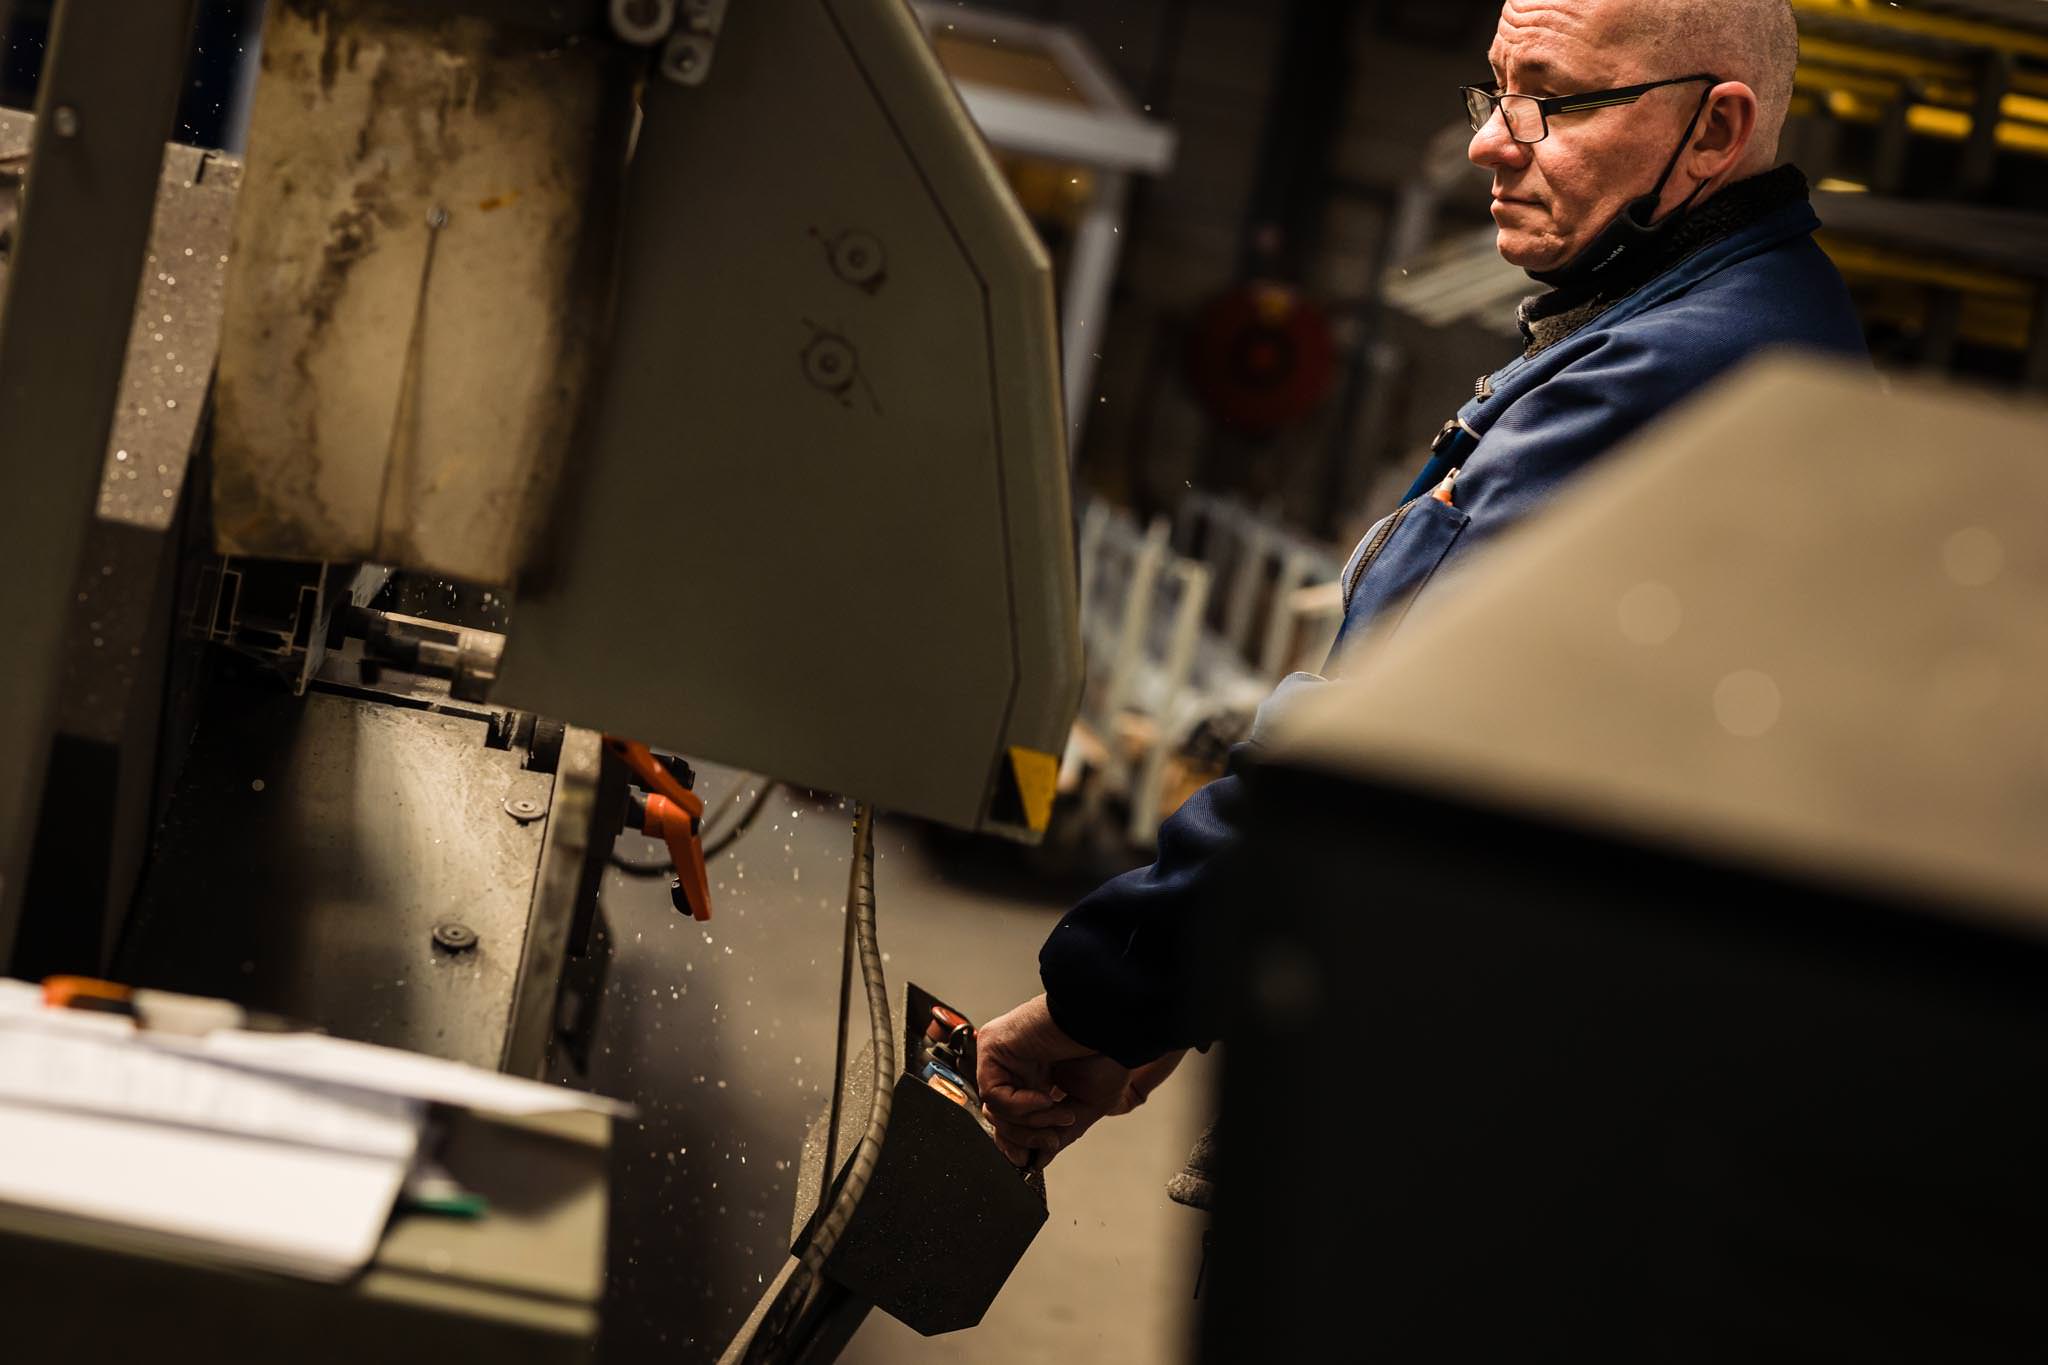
410 309
315 842
176 332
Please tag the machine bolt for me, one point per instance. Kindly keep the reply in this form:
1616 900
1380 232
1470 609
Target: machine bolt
64 119
830 363
685 58
523 808
454 936
642 23
857 258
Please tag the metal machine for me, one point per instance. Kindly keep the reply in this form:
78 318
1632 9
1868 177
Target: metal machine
551 379
1691 941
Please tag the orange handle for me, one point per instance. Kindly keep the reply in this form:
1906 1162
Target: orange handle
60 991
675 814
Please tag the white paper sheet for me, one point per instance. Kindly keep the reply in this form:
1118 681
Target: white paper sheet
279 1150
305 1210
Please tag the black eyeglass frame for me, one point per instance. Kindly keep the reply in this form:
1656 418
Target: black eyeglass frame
1547 105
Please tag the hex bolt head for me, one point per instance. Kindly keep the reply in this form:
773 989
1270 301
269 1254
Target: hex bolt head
685 57
454 936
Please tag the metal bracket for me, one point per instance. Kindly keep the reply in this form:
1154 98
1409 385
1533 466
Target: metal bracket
685 31
686 56
279 613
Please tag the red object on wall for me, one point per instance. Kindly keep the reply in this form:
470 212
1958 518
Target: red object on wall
1261 358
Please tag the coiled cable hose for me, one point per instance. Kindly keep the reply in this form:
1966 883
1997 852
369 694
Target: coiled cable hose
801 1288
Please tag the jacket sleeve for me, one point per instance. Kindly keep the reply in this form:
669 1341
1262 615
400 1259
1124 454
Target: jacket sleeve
1116 969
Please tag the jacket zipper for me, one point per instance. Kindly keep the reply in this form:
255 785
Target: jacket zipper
1385 534
1377 544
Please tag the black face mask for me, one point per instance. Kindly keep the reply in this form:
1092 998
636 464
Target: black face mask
1632 227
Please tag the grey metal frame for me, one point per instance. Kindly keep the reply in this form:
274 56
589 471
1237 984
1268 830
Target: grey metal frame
860 419
105 108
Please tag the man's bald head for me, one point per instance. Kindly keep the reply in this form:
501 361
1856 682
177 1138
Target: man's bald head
1752 41
1681 141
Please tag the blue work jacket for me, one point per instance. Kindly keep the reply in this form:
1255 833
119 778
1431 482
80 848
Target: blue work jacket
1116 969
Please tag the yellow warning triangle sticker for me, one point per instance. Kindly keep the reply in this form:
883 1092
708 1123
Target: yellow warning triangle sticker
1038 777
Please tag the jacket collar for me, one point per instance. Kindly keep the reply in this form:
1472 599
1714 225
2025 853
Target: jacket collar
1548 318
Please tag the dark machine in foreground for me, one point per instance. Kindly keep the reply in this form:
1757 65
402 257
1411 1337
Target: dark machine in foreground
1652 954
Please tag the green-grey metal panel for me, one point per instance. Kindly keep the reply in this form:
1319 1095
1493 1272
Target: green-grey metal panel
821 526
104 108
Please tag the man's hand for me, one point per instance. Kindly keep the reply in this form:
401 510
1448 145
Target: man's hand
1042 1090
1014 1060
1100 1084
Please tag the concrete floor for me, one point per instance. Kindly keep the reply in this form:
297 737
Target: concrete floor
723 1033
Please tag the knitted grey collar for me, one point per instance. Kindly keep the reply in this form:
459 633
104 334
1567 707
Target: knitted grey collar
1550 317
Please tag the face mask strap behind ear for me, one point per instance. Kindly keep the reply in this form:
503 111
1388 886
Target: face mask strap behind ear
1645 208
1635 223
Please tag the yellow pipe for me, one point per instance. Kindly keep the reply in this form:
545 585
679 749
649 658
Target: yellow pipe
2024 107
1920 24
2021 108
1928 120
1906 65
1830 52
1816 78
1950 123
1876 262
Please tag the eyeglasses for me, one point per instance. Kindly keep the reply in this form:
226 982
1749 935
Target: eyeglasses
1528 116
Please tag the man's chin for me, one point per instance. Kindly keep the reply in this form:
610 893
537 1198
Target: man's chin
1525 252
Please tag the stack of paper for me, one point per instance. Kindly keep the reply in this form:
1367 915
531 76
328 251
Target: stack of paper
280 1150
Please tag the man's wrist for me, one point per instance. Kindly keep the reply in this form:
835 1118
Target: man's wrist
1043 1035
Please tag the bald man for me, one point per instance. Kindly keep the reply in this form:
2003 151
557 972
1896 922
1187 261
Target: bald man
1633 148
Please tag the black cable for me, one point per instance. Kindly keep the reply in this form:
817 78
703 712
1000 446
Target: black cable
801 1288
717 844
663 868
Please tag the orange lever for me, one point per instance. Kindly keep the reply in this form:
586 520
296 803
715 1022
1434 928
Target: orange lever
675 814
671 823
61 991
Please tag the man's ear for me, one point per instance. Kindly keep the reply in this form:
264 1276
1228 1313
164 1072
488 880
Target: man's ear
1722 139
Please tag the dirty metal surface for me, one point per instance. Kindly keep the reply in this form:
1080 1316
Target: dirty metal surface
108 90
175 334
171 347
313 847
563 853
412 296
175 339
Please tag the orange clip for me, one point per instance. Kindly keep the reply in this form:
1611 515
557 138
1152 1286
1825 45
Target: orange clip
675 814
60 992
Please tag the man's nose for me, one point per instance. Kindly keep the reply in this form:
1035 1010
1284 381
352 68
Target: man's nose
1492 148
